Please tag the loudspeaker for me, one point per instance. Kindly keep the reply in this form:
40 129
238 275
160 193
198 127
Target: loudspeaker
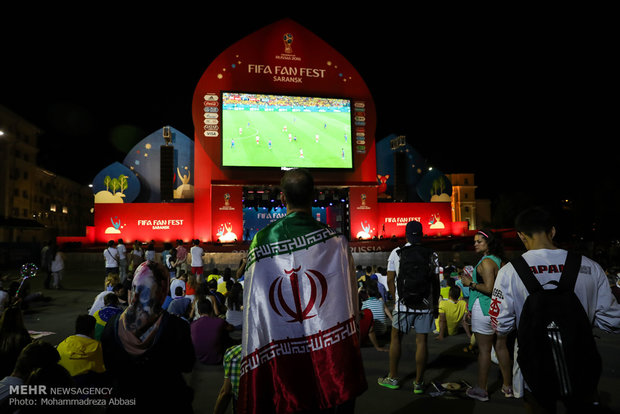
400 176
166 172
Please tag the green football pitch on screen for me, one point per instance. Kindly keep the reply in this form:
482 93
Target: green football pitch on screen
252 138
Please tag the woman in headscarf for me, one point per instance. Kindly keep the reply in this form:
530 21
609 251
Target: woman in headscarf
146 349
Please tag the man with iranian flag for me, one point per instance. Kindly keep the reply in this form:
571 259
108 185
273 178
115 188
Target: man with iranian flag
301 350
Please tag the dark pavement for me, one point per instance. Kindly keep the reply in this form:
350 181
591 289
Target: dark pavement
447 360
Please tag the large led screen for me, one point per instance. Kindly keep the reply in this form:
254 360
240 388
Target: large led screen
285 131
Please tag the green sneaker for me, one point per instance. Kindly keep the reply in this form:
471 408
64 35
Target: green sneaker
418 388
388 382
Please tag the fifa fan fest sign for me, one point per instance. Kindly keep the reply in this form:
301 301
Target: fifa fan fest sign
287 70
282 71
141 221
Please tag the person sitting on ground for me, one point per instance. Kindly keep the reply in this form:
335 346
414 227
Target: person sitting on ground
145 344
177 289
445 291
225 283
217 296
230 388
209 333
382 317
36 354
119 290
14 337
180 305
57 377
363 279
381 279
111 280
80 353
451 314
213 275
191 285
234 307
110 308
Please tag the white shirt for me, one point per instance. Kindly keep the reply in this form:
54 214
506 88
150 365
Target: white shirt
122 251
394 264
592 289
98 302
173 287
196 252
111 257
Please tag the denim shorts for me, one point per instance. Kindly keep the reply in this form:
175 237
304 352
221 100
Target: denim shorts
423 323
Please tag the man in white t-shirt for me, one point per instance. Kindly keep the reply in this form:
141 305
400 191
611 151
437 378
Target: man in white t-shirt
536 231
196 253
404 318
110 255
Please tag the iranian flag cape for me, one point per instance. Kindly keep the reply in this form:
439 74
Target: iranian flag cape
300 342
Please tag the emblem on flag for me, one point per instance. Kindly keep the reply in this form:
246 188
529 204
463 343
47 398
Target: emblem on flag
301 311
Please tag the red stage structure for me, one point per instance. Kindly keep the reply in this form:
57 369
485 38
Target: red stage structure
282 60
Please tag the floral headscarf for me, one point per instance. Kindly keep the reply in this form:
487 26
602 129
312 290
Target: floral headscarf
139 323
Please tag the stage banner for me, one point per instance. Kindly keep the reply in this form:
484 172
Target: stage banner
257 218
165 222
436 218
283 58
227 213
363 213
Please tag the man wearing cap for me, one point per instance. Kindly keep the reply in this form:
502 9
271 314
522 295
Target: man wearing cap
404 318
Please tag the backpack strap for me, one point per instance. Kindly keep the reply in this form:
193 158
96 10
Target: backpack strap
567 279
570 271
525 273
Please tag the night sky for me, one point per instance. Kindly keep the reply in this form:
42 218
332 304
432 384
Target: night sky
523 102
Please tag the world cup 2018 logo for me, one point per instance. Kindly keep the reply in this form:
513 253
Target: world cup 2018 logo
300 309
288 41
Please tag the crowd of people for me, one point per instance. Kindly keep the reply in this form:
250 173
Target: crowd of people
150 307
160 314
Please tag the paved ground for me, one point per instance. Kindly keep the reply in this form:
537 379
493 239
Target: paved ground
447 361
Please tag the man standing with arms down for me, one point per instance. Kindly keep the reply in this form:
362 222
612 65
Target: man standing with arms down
301 350
536 231
421 317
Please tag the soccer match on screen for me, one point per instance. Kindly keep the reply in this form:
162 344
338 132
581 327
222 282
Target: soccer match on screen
285 131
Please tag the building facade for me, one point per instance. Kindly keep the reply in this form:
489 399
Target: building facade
35 204
465 206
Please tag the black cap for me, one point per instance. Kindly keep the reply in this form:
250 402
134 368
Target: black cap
413 232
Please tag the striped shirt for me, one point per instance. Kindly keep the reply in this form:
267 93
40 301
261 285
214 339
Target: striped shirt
376 307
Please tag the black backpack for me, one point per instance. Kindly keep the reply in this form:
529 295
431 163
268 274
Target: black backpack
557 352
414 276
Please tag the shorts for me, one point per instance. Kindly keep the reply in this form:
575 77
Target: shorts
380 327
423 323
197 270
480 323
